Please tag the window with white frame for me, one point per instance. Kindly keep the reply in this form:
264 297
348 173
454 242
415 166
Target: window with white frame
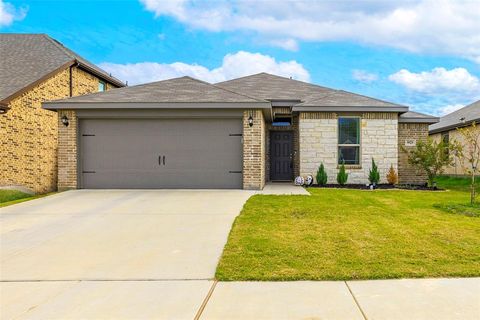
349 140
101 86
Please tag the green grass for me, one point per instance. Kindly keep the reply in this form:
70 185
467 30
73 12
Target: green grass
9 197
353 234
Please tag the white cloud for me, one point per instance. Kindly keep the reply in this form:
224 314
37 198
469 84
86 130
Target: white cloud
438 81
364 76
8 13
234 65
432 26
449 109
287 44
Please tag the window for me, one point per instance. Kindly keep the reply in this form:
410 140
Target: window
282 121
101 86
349 140
446 140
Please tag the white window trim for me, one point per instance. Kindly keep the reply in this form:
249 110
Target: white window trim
359 145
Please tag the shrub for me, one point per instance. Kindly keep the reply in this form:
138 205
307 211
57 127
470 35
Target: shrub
374 175
322 175
392 176
342 176
431 157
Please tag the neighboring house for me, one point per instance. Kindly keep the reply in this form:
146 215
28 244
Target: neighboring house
446 130
35 68
186 133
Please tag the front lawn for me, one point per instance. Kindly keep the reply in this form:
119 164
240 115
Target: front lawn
9 197
354 234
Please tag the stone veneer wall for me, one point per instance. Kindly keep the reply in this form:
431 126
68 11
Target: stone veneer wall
318 133
254 150
296 147
29 134
414 132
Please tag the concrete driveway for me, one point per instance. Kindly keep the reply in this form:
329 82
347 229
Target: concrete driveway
110 243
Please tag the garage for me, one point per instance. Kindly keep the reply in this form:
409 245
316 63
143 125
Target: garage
160 153
179 133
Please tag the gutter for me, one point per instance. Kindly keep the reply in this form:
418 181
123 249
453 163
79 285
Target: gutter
3 108
454 126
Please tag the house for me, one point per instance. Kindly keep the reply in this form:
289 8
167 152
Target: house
242 133
446 130
35 68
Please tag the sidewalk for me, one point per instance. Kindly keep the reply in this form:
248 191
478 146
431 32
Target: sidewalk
408 299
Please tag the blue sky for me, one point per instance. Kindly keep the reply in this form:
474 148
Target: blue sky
386 49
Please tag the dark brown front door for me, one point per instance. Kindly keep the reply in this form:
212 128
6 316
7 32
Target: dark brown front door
281 160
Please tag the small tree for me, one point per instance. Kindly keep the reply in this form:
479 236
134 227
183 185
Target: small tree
322 175
469 152
374 175
431 157
392 176
342 175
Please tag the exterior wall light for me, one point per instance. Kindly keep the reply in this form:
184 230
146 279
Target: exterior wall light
65 121
250 121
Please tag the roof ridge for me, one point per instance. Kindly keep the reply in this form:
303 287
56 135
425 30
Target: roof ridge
224 89
58 45
277 76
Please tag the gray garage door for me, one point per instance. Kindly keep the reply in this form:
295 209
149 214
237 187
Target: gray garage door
160 153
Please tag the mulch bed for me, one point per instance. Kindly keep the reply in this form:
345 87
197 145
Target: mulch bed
378 186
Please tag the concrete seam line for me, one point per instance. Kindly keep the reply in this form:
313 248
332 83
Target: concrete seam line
205 301
356 301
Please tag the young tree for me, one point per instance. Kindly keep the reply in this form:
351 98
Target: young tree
392 176
342 175
374 175
322 175
470 153
431 157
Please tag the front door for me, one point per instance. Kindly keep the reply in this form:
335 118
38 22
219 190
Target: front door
281 155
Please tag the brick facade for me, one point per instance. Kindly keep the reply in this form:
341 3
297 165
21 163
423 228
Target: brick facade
67 151
29 133
459 167
319 143
254 150
413 132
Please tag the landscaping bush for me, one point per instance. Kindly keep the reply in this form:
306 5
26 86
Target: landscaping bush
322 175
374 175
392 176
342 176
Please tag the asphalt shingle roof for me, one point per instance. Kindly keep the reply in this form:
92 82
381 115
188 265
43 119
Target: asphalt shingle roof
458 118
26 58
271 87
184 89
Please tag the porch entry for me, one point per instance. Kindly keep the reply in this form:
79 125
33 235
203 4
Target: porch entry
281 155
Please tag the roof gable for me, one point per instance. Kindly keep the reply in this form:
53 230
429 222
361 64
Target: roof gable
28 58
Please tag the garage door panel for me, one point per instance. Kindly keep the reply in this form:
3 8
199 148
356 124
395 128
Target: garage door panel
130 153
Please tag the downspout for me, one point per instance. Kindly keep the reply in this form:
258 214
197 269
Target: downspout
75 64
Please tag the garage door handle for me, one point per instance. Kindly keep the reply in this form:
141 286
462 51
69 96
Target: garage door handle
163 160
159 160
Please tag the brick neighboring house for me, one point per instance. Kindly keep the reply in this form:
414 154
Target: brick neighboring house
446 129
35 68
242 133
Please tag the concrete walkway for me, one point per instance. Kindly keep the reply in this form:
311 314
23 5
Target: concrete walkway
283 188
120 254
439 299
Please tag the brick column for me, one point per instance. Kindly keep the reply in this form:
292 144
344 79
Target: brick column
67 151
253 150
414 132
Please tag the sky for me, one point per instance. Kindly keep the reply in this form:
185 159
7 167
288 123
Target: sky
420 53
